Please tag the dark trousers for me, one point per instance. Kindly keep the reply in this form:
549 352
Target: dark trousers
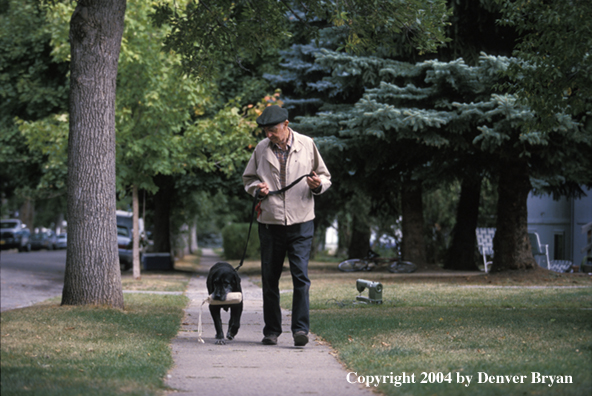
277 241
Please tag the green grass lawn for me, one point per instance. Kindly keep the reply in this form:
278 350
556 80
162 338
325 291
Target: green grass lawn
48 349
497 341
53 350
459 328
437 329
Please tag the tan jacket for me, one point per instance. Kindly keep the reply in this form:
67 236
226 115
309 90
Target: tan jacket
297 204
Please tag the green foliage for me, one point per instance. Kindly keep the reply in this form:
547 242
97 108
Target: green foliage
155 103
427 120
384 123
206 32
373 25
166 122
403 117
48 138
234 237
19 168
436 122
33 85
553 70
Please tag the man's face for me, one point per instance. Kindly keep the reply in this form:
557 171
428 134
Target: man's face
277 133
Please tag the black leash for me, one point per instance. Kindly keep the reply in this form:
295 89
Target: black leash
256 200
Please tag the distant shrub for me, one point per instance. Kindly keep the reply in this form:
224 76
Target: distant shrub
234 237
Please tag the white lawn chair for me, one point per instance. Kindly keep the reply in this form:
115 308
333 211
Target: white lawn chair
562 266
485 243
540 252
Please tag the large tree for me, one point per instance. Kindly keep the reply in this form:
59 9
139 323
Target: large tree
307 85
432 121
92 263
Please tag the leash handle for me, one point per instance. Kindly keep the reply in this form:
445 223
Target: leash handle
256 200
282 190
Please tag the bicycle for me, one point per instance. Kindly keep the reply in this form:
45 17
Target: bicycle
373 260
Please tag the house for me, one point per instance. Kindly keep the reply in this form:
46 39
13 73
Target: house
560 224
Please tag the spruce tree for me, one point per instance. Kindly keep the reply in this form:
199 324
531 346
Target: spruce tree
432 121
474 28
307 86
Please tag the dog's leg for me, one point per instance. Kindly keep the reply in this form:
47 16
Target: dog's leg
215 312
236 311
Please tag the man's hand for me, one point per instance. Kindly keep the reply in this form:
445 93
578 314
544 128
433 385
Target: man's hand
314 182
263 189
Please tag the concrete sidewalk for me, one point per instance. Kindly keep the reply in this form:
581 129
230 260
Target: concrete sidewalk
244 366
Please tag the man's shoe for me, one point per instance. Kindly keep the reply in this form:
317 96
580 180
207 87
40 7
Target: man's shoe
300 338
269 340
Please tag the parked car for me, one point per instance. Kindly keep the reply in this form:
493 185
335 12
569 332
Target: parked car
124 243
44 240
62 241
126 219
124 238
14 234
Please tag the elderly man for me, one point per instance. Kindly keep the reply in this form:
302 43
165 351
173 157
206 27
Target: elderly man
286 220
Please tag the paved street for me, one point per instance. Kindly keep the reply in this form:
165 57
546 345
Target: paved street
28 278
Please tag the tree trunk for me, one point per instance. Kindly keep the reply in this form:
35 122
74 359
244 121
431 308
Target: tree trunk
316 242
461 254
92 264
181 241
413 244
343 234
60 223
194 247
27 214
360 237
162 214
511 245
135 234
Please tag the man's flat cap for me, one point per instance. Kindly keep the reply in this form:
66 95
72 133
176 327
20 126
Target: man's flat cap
272 115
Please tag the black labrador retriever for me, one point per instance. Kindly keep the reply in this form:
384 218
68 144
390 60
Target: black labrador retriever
224 279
